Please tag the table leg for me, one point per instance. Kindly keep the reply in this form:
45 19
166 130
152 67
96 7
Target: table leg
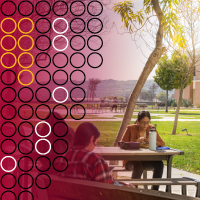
169 171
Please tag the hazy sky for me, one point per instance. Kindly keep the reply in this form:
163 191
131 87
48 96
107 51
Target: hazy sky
122 60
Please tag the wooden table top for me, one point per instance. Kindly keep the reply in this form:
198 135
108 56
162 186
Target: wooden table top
116 151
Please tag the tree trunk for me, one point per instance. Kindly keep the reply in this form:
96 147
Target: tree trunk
166 110
177 110
150 64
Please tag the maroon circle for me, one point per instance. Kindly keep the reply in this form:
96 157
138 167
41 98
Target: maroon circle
60 168
23 192
25 149
6 129
25 167
57 144
8 183
21 183
42 186
43 168
7 195
6 144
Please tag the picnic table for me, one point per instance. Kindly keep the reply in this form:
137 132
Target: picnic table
115 153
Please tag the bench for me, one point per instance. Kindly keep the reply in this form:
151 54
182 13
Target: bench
142 105
76 189
167 181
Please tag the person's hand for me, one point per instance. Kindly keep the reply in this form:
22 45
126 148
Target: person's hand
141 139
146 140
131 185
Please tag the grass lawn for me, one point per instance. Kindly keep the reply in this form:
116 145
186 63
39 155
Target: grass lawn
135 116
189 144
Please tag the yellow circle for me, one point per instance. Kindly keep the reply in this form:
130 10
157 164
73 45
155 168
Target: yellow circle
28 31
2 44
21 64
26 71
31 40
2 60
13 29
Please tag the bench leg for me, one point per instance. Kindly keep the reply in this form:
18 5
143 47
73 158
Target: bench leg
145 177
169 172
184 190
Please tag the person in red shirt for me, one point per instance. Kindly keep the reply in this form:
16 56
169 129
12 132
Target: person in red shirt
82 162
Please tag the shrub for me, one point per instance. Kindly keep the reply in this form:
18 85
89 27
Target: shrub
186 103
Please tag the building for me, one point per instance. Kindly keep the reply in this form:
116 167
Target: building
192 91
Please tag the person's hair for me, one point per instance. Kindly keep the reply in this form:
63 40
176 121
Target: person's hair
83 134
142 114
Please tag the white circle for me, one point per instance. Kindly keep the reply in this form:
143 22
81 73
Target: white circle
11 169
40 152
47 133
54 45
63 20
57 100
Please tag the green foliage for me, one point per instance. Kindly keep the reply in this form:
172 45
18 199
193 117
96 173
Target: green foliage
170 21
186 103
161 96
120 98
172 102
165 76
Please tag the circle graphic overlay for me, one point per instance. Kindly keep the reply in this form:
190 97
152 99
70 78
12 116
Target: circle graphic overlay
25 159
8 171
47 115
42 187
77 83
25 6
27 143
8 111
77 105
57 106
8 128
78 40
74 89
95 54
20 183
43 122
7 194
24 194
55 91
37 74
25 53
44 152
25 113
57 36
42 24
95 40
41 91
93 9
63 160
31 27
60 58
31 41
21 129
54 74
94 25
4 4
39 5
43 56
42 43
25 70
6 143
6 91
6 74
9 18
77 59
60 123
42 168
60 142
76 8
77 25
63 19
57 8
8 181
8 53
26 97
6 36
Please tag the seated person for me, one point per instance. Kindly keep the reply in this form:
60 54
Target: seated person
114 105
82 162
139 132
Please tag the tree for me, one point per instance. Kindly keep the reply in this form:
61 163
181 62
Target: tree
145 95
161 96
165 77
120 98
110 97
92 86
168 26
